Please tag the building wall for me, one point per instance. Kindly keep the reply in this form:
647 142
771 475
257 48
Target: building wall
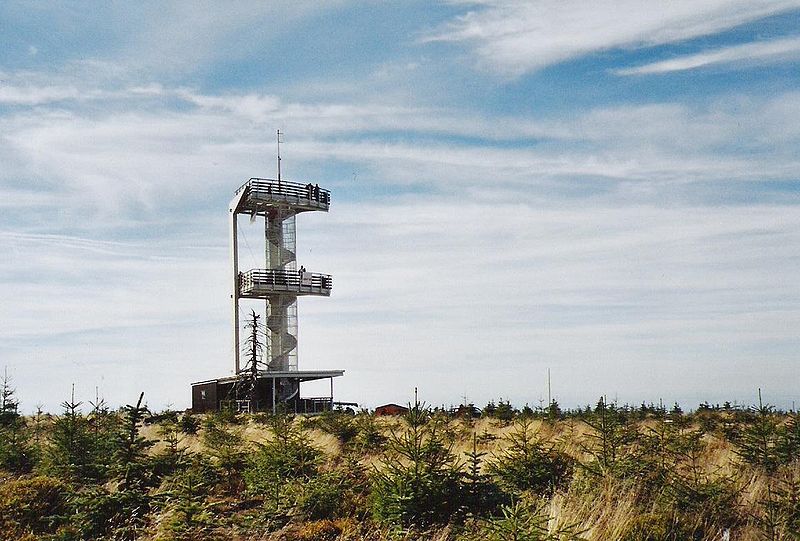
204 397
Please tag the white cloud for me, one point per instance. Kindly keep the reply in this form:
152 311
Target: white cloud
255 107
513 37
17 95
779 50
116 165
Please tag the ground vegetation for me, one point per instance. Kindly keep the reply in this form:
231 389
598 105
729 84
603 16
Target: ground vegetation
601 472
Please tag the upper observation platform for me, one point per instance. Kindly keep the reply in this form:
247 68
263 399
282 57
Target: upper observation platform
260 195
260 283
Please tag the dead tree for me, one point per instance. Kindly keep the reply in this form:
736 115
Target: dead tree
246 386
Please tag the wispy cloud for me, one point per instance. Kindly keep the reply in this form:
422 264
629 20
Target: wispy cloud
17 95
114 161
779 50
514 37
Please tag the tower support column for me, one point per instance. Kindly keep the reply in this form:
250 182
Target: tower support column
233 210
235 290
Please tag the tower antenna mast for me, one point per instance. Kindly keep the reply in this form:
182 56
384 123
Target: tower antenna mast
279 156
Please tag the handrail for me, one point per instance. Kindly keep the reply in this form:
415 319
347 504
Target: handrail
287 188
285 278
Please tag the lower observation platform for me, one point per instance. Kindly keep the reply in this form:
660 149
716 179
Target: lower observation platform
259 283
216 394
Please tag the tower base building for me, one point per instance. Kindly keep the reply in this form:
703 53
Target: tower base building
218 394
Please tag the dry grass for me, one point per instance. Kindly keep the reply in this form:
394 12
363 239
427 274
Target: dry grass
601 509
604 516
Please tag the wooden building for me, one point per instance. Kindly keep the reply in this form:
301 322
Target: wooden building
391 409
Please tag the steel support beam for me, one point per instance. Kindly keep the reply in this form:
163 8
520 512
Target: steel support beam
234 222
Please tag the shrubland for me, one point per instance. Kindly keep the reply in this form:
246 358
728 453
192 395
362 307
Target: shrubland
606 472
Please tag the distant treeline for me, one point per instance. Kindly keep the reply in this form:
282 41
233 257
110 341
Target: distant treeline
505 410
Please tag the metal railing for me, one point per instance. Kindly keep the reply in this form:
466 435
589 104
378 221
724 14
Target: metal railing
267 188
297 405
315 404
285 280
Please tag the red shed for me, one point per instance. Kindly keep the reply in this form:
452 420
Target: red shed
391 409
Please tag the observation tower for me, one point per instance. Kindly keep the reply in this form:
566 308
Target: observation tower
266 375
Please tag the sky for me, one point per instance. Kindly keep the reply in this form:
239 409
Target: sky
607 190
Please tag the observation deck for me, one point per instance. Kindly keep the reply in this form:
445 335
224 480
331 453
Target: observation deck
263 194
261 283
